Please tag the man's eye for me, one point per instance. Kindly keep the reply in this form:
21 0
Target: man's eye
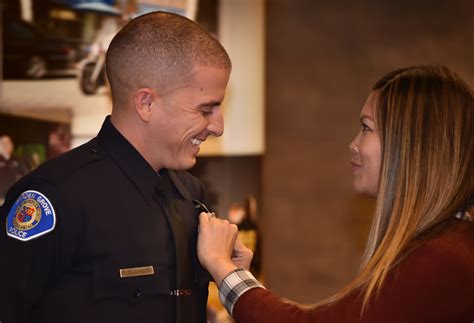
206 112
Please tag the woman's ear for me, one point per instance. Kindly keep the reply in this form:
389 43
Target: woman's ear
145 100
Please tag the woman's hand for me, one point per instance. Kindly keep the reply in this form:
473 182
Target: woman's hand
217 247
241 256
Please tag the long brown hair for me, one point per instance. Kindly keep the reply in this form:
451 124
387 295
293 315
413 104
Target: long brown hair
425 117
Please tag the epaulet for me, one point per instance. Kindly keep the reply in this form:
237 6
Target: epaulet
70 162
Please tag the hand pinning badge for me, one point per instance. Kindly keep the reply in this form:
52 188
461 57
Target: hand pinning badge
203 208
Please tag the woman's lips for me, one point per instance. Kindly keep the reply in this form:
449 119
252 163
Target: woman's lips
355 167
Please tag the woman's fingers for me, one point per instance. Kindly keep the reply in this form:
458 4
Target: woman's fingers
216 242
241 256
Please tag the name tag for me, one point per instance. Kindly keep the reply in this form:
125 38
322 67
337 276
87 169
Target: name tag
137 271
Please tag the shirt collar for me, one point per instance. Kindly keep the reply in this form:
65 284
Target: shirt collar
132 163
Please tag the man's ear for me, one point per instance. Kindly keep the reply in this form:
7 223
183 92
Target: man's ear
145 101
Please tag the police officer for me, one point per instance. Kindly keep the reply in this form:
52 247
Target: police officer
107 232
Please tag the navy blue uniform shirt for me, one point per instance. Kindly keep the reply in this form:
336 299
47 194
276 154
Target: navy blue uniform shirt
122 247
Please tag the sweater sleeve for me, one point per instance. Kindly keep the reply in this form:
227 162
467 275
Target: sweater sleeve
432 284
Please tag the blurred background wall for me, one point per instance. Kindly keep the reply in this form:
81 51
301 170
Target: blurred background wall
322 58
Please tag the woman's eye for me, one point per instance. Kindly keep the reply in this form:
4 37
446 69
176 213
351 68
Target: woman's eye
364 127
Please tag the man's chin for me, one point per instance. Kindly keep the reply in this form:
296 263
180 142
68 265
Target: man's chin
184 165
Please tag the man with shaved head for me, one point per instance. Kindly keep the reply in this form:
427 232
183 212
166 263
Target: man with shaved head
107 232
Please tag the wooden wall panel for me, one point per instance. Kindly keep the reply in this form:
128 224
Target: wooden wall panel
321 60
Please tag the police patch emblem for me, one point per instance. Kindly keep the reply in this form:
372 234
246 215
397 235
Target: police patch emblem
31 216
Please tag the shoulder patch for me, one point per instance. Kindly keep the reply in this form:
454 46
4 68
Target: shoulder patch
31 216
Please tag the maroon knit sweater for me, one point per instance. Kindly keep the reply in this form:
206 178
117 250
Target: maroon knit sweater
434 283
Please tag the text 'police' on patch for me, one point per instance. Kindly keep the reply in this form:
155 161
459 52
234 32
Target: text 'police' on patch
31 216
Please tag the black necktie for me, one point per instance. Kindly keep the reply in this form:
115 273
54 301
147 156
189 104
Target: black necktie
184 266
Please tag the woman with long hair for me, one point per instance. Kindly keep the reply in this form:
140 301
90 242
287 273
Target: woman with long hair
414 154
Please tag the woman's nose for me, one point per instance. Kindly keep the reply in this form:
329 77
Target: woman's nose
353 147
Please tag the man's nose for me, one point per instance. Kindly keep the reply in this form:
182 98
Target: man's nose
216 124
